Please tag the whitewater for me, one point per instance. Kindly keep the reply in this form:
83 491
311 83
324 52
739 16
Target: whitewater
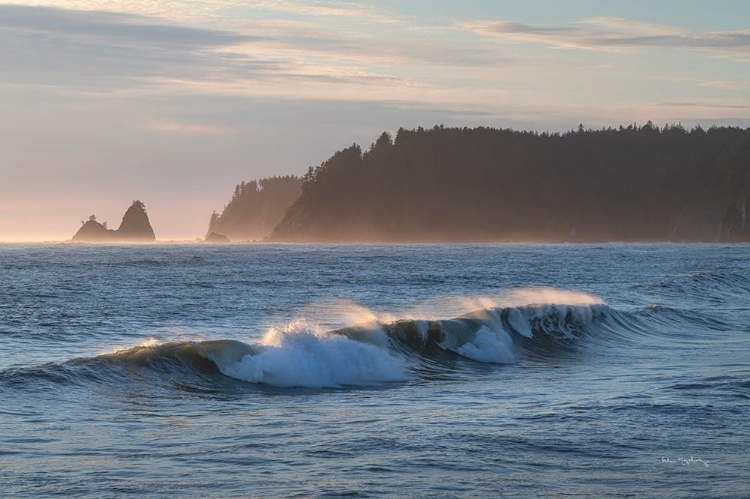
367 371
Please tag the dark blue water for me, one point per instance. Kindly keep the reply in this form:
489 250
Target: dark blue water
423 371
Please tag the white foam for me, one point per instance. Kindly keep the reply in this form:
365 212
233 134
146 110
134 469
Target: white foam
489 346
519 322
300 357
422 328
151 342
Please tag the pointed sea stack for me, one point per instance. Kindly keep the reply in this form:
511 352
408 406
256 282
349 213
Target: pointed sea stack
135 225
134 228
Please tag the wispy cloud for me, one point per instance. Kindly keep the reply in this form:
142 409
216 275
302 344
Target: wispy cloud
97 51
58 47
706 105
175 10
212 10
726 84
121 28
617 34
189 128
342 9
128 55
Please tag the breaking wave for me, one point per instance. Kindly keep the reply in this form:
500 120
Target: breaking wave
366 354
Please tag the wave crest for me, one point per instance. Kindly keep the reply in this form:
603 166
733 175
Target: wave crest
371 353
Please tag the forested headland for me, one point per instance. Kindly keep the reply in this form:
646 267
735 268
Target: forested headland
255 208
482 184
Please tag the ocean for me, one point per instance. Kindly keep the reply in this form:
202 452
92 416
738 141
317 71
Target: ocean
375 371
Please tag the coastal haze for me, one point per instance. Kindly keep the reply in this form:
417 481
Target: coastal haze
175 103
478 274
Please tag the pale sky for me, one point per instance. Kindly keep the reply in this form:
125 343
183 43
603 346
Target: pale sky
173 102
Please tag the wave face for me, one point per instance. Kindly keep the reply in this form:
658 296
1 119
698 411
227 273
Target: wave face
493 335
365 354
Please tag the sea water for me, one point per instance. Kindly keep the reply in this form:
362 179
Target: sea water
366 371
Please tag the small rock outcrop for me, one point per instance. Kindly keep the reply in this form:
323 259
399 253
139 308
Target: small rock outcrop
93 231
134 228
214 238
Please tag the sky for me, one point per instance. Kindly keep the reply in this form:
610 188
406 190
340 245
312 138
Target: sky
174 102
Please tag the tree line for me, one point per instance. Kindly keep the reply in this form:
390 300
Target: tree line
255 208
634 183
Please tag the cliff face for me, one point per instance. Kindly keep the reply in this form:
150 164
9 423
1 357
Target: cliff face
135 227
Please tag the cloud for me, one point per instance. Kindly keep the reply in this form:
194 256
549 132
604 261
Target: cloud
616 34
112 26
84 55
705 105
51 46
726 84
103 51
188 128
341 9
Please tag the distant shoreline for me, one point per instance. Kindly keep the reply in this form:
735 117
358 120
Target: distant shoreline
378 243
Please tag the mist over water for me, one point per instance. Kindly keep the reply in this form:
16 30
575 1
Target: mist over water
443 370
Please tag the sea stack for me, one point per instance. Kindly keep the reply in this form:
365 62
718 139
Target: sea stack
134 228
135 225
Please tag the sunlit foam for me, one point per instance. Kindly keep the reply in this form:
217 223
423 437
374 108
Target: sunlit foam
342 313
151 342
306 357
528 297
548 296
